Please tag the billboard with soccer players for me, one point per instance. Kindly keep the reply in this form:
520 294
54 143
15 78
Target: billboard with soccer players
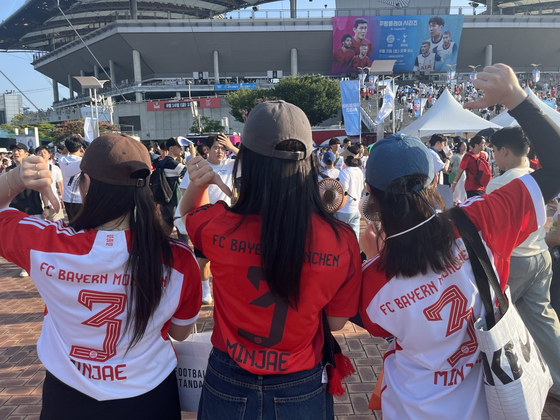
418 43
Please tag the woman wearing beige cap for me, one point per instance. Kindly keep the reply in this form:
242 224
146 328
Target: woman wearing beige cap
110 304
280 262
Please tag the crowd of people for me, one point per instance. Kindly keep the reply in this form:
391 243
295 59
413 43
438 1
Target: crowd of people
285 271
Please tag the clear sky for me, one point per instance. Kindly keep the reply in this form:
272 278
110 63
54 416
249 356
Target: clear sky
17 66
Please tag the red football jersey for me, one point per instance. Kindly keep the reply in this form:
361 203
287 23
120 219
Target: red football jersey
469 165
356 46
341 60
81 278
263 334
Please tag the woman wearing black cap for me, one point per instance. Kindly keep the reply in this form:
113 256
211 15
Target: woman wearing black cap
278 260
109 303
420 288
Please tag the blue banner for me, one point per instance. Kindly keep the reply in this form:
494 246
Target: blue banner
350 95
235 86
418 43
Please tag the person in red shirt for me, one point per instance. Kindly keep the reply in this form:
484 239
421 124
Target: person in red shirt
360 62
279 262
360 31
344 55
476 167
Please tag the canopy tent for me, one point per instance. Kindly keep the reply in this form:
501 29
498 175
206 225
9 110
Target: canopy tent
447 116
506 120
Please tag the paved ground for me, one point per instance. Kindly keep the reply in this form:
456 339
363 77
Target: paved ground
21 372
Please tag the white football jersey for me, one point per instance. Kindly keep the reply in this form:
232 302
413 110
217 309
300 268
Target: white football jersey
81 278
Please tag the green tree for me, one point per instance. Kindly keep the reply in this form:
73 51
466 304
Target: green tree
70 128
242 101
317 96
30 121
207 125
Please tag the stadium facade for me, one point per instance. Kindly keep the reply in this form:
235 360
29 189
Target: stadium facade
159 55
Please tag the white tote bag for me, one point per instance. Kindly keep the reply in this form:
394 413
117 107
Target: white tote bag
516 377
192 359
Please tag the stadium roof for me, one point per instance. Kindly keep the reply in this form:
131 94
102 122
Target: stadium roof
512 7
39 25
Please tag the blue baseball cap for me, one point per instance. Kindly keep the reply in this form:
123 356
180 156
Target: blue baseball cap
328 157
396 156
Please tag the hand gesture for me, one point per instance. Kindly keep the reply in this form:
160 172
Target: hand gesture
33 173
224 140
500 85
202 175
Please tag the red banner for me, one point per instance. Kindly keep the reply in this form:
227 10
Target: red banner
184 104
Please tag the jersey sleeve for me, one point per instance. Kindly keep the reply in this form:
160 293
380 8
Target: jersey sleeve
191 291
15 245
507 216
373 282
346 300
197 219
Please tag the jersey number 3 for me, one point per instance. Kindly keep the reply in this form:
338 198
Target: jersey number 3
116 305
255 276
457 315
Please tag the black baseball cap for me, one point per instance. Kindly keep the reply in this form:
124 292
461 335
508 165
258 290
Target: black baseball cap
21 146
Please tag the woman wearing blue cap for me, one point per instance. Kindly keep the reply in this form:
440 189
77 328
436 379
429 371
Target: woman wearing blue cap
420 288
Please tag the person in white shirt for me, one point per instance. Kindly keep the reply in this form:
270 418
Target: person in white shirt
329 170
70 167
438 142
223 166
530 264
352 178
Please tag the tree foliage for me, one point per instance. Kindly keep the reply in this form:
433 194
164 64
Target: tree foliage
207 125
317 96
30 121
70 128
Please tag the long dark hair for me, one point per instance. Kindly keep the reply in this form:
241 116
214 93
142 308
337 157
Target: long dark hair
427 247
285 194
105 203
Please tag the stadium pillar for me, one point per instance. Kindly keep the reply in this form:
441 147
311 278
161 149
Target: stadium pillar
137 66
112 73
216 67
55 90
488 55
70 89
293 9
133 9
96 72
82 74
293 61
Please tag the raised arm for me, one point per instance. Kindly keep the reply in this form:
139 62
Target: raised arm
500 85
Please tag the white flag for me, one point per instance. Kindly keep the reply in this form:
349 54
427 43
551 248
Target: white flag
388 105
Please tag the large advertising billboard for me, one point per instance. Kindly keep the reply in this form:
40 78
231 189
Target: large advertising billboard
418 43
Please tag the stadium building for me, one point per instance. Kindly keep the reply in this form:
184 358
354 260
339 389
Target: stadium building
160 56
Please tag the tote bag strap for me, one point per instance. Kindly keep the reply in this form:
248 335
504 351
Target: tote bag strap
482 267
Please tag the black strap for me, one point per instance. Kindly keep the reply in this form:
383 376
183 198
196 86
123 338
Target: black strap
330 345
483 271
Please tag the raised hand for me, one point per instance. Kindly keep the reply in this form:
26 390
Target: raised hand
202 175
500 86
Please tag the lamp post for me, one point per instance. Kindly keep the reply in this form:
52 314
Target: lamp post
473 68
92 83
361 80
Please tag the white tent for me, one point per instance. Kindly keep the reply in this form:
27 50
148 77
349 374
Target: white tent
447 116
506 120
